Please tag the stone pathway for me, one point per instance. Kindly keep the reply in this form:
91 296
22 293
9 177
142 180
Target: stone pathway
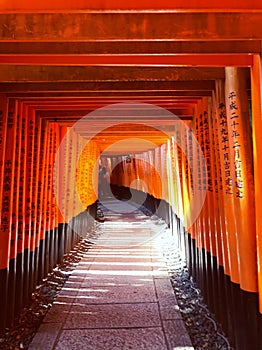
119 297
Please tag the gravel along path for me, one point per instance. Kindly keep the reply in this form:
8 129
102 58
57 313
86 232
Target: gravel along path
205 332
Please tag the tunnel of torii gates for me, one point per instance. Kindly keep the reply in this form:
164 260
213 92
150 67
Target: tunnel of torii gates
169 101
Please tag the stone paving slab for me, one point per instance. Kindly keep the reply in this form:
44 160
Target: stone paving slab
105 266
117 280
121 316
46 337
113 339
58 312
177 336
117 298
116 294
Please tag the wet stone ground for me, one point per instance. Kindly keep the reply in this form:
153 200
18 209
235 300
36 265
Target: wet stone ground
204 332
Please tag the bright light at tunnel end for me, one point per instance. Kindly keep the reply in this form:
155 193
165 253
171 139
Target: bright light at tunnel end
127 113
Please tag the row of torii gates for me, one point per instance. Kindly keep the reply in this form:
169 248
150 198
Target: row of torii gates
168 97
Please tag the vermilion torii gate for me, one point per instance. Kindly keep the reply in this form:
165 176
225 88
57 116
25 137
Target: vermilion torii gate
202 62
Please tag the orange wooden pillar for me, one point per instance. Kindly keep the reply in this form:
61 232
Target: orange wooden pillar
13 272
256 100
29 227
41 199
10 121
218 237
61 191
239 133
208 211
177 188
240 144
51 206
35 241
54 208
171 190
210 180
3 130
204 245
220 173
198 243
20 290
3 217
227 183
181 179
185 186
47 197
227 223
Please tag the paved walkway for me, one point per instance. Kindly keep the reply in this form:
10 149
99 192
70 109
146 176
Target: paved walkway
119 297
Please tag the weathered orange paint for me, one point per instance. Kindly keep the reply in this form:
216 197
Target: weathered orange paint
10 119
16 5
220 183
22 180
15 189
240 143
256 95
204 60
227 183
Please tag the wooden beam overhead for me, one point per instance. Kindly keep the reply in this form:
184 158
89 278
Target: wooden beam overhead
91 101
140 86
132 47
123 95
60 74
57 106
142 25
131 60
135 114
41 5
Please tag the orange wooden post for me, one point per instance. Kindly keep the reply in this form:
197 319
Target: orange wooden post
217 149
51 209
171 188
35 234
240 143
13 265
62 192
186 184
21 209
45 213
177 185
227 182
7 209
53 199
151 181
216 200
3 123
190 172
61 174
198 243
3 132
202 242
44 153
60 201
217 235
202 180
41 203
30 204
3 205
47 197
210 200
256 95
198 229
